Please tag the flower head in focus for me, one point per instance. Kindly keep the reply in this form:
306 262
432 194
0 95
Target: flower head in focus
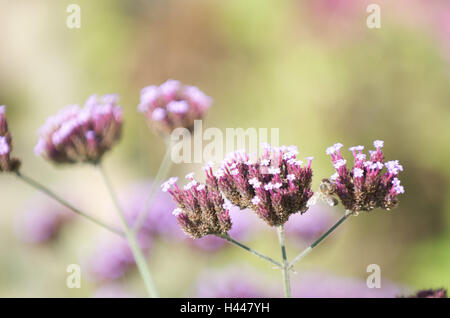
201 208
371 183
81 134
7 163
172 105
275 186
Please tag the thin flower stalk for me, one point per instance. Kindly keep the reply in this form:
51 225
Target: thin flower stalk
161 175
130 236
38 186
319 240
285 266
248 249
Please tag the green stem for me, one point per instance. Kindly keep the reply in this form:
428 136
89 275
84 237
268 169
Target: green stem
248 249
131 237
36 185
320 239
285 267
162 174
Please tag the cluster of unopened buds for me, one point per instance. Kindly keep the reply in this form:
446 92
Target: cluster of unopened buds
371 183
173 105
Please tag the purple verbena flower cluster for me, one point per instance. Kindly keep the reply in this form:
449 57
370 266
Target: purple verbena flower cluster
371 183
201 208
172 105
275 186
81 134
7 163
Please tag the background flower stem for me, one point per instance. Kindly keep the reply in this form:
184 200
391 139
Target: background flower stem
285 265
248 249
141 262
320 239
38 186
162 174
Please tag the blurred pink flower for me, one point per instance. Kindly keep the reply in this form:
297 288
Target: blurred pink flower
111 258
326 285
112 290
443 27
159 220
310 225
41 220
336 19
172 105
232 282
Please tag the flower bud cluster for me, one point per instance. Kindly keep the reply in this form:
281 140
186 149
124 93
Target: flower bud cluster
371 183
275 185
201 208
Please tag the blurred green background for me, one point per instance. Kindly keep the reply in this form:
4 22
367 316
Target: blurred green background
311 68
